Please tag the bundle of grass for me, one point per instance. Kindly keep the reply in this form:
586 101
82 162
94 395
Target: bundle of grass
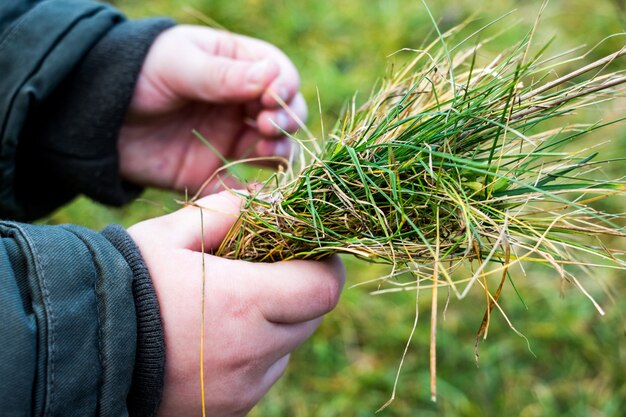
451 163
445 162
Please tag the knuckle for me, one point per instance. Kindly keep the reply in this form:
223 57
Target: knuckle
329 294
337 280
215 77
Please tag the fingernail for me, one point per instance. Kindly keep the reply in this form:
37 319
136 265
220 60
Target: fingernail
282 120
295 151
283 93
283 148
258 74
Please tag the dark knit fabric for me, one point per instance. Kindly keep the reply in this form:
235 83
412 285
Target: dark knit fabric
69 145
79 318
147 386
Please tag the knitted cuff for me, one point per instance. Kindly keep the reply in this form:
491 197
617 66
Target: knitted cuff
147 385
70 145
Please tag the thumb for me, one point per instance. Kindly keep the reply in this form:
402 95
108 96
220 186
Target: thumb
212 78
210 217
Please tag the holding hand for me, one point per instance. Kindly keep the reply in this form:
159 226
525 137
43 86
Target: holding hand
255 314
221 84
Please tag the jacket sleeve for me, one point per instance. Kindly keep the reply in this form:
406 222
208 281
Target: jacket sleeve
75 313
79 321
68 74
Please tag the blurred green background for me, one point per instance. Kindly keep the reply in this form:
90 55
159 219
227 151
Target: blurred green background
578 362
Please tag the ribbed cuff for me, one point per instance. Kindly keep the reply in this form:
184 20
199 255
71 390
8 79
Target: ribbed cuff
147 385
70 144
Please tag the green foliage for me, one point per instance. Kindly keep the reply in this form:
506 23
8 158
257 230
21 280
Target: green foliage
349 366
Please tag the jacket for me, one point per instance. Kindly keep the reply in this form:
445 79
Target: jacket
80 329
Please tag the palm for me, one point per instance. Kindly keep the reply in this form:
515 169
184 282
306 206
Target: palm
162 151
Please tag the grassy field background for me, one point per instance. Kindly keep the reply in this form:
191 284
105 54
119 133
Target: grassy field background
577 366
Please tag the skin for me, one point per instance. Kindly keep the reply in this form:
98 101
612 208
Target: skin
255 314
221 85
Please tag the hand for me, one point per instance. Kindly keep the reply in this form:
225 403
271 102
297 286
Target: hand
218 83
255 313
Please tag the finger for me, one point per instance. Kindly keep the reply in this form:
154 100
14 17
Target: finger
284 87
254 141
224 80
274 341
277 122
234 295
214 43
269 152
290 336
219 182
274 372
252 109
295 291
285 148
259 384
184 228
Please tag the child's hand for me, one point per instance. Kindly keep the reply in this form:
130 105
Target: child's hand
255 313
218 83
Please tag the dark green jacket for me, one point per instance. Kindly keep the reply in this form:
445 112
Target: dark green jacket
80 333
